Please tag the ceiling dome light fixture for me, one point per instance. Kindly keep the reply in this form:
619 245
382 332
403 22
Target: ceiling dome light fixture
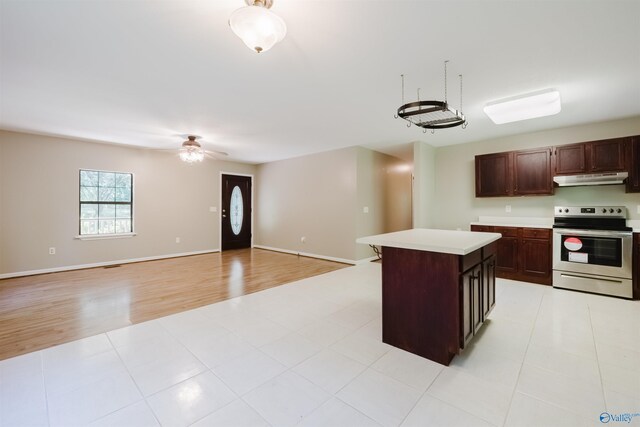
432 114
191 150
524 107
258 27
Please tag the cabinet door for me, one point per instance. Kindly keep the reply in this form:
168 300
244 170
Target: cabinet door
570 159
535 259
532 172
493 175
633 182
466 307
477 310
607 156
488 285
507 260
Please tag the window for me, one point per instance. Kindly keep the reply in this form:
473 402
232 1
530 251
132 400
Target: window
106 203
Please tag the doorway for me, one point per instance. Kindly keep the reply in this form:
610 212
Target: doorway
235 218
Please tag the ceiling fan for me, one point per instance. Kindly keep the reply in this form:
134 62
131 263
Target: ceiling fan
191 151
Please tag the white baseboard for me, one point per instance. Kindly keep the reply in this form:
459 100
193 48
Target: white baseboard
310 255
102 264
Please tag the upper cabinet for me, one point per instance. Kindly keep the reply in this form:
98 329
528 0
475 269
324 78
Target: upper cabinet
633 182
493 175
514 173
591 157
531 172
570 159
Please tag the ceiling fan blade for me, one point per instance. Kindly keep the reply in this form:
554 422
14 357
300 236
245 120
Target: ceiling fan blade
215 152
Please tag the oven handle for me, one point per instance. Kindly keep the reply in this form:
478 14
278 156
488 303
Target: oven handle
602 279
594 233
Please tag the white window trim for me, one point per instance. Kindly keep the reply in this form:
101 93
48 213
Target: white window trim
105 236
133 211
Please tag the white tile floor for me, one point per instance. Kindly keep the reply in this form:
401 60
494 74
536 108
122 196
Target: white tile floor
309 353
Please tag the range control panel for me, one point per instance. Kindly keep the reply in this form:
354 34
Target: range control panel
591 211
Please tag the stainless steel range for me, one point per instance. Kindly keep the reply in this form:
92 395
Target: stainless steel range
592 250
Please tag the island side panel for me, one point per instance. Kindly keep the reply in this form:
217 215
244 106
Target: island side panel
420 302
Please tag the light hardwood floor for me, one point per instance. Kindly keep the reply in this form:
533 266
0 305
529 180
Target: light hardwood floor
41 311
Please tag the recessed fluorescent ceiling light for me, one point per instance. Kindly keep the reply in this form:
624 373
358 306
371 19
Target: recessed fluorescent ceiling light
523 107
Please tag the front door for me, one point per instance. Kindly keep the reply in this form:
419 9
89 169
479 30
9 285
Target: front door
236 212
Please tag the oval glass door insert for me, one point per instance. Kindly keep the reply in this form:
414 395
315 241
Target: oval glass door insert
236 210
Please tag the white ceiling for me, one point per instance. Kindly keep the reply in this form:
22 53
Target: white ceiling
140 72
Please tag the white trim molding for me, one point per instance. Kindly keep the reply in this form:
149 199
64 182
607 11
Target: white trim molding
104 236
102 264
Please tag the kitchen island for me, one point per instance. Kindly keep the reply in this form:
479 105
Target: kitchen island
438 286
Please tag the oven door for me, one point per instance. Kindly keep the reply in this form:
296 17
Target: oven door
605 253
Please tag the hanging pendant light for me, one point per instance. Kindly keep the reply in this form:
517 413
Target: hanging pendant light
258 27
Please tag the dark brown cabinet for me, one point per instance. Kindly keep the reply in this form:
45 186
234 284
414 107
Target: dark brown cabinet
514 173
522 253
433 303
536 254
570 159
532 172
508 251
477 290
591 157
489 284
468 280
493 175
633 158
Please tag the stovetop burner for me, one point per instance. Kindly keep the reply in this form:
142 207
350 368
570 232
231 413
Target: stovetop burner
610 218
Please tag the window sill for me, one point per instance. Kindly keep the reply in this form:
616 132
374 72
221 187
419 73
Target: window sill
105 236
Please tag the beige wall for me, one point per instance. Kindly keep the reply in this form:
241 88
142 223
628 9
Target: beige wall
455 201
312 197
321 197
39 202
384 187
424 185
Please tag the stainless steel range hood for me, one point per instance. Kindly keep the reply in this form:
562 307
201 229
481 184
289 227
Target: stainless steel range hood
592 179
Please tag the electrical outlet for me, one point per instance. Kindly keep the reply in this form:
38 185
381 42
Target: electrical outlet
177 240
303 239
52 251
365 209
638 208
507 208
213 209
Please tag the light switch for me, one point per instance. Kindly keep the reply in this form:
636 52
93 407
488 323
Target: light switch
213 209
365 209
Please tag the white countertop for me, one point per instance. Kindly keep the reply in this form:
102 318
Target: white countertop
424 239
509 221
635 224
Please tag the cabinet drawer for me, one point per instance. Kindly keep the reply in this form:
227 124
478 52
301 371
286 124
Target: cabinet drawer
506 231
482 228
536 233
470 260
490 250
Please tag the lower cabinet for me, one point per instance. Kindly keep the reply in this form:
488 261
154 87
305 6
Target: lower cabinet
478 290
523 253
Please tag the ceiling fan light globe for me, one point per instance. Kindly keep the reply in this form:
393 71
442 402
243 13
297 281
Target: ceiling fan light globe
191 155
258 27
